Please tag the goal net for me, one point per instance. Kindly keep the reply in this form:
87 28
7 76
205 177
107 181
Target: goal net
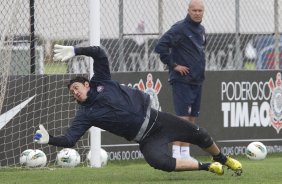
6 43
33 87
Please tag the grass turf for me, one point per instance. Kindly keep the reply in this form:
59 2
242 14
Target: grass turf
254 172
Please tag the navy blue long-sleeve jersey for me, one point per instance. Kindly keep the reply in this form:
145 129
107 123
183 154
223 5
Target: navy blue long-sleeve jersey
184 44
113 107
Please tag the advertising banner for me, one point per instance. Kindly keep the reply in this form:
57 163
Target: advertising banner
237 107
243 106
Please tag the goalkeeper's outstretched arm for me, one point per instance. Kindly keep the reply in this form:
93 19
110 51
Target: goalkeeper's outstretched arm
101 63
42 137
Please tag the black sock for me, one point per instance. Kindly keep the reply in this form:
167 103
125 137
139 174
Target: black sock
220 158
204 166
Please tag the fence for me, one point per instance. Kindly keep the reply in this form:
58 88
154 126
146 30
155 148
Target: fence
241 34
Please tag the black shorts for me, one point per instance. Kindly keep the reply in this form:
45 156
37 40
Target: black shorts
166 129
186 99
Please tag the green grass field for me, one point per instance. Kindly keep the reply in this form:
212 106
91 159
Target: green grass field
55 68
267 171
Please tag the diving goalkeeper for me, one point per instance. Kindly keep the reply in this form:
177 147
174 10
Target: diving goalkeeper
127 112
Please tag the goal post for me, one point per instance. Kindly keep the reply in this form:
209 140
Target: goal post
94 37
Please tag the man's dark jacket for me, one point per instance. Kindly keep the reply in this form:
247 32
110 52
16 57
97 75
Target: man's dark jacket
184 44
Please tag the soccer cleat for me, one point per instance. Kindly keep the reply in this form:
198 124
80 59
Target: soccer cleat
216 168
234 165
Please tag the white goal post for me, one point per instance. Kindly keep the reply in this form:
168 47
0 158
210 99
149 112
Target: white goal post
94 37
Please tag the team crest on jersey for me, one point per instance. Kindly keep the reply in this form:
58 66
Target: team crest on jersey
100 89
275 111
152 89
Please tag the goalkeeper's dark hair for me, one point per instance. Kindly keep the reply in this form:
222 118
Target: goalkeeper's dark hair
78 79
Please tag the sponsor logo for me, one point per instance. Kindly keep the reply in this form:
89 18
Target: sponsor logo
7 116
252 104
151 88
245 104
189 110
100 89
66 159
275 111
204 38
37 155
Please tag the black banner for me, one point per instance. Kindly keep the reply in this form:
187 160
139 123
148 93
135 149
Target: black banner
238 107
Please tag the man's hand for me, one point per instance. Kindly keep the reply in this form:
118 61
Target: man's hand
63 53
183 70
41 136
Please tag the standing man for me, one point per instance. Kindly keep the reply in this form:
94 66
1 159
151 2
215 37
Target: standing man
181 48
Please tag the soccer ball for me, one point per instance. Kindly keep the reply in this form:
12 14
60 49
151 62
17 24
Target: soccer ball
103 157
256 151
68 157
23 156
33 158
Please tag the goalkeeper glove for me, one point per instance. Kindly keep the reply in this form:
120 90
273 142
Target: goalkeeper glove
41 136
63 53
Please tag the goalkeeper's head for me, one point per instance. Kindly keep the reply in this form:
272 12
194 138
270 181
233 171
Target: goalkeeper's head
79 87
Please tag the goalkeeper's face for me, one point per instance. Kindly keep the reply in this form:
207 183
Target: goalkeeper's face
79 90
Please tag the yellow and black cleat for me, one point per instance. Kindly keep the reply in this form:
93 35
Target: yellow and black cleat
216 168
234 165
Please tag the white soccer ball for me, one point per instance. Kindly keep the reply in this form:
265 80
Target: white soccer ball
23 156
256 151
103 157
68 157
33 158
